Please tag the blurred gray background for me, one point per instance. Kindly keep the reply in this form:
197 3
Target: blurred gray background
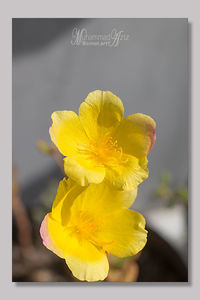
148 72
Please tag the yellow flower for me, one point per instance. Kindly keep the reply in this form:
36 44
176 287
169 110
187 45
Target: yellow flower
99 145
86 223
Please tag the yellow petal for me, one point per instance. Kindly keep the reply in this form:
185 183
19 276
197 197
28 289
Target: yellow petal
67 192
128 173
136 134
101 199
84 170
86 261
100 113
67 132
52 234
124 233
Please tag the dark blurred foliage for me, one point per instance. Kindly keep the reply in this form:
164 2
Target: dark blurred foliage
172 195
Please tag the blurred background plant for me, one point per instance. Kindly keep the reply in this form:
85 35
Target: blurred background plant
171 195
174 197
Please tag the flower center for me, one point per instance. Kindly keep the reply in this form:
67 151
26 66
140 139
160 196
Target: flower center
104 150
84 225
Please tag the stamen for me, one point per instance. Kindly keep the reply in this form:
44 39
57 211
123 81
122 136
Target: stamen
85 226
105 150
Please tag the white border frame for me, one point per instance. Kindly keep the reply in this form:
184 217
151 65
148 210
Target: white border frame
140 9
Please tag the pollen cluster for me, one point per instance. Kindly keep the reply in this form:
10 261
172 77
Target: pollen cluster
84 225
104 150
